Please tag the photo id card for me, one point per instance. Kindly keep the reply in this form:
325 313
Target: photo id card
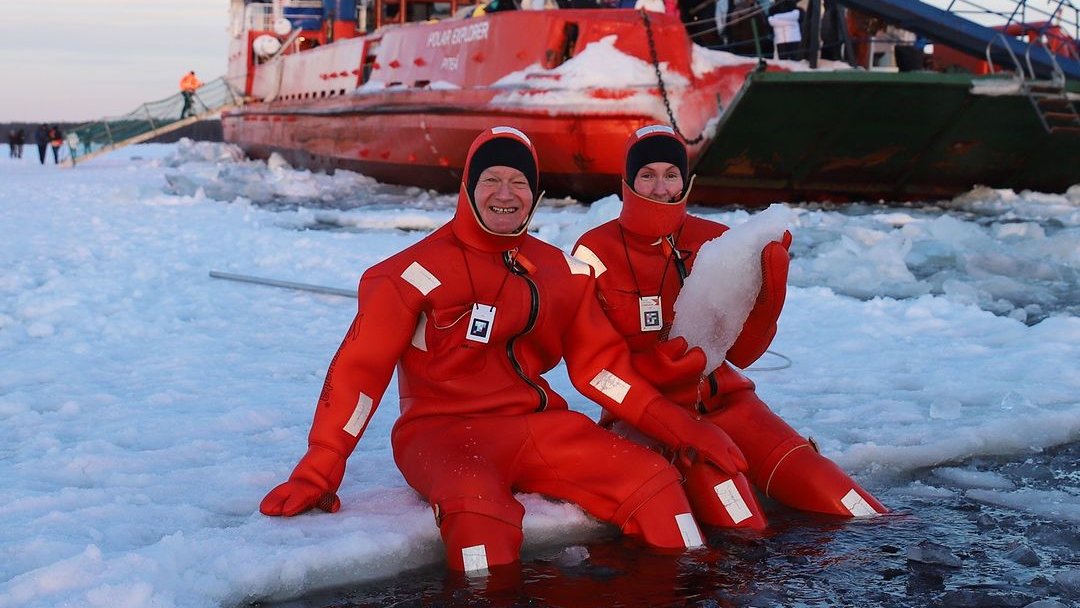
480 323
652 318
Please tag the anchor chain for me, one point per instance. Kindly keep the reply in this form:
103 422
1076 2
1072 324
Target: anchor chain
660 81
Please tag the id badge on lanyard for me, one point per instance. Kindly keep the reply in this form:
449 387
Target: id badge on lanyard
650 313
480 323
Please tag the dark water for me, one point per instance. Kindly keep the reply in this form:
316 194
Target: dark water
951 551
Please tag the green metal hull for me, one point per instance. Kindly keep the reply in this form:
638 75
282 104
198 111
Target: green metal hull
856 135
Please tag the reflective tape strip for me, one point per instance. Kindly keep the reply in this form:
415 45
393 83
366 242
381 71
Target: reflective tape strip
857 504
733 502
420 278
577 266
643 131
474 558
691 536
511 131
586 255
359 416
611 385
419 337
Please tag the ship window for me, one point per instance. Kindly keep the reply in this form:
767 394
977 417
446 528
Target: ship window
421 83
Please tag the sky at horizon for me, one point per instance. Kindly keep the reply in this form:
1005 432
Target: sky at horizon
72 62
75 61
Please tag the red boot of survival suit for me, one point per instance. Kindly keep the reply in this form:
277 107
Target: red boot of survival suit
806 480
476 542
720 500
664 521
782 463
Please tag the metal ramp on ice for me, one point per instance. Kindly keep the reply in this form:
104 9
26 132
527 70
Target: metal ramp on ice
146 122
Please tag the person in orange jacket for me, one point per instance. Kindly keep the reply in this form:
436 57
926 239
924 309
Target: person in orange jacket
472 316
641 260
188 85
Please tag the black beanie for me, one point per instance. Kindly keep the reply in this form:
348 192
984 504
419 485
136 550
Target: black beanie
656 149
505 151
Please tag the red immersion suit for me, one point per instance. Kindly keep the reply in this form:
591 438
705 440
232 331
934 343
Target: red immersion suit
478 422
638 255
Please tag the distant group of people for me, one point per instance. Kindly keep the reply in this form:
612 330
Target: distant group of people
45 136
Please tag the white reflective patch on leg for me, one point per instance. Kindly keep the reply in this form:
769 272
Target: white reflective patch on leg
691 536
857 505
359 416
611 385
733 502
420 278
474 558
586 255
419 337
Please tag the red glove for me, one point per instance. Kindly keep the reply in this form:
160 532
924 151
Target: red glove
760 327
313 483
674 370
676 428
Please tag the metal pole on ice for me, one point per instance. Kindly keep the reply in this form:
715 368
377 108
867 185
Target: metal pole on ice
334 291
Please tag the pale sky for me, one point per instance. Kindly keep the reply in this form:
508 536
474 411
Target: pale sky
66 60
76 60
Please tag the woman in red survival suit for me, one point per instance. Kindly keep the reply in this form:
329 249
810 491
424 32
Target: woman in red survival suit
640 261
472 315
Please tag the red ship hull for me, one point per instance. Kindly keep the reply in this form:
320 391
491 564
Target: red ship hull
431 87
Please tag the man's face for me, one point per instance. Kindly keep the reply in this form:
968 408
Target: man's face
659 181
503 199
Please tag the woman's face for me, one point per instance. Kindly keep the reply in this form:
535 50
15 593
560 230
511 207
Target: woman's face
659 181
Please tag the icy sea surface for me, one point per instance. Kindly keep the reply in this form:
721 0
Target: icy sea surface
931 350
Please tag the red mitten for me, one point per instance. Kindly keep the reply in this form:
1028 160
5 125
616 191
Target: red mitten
673 369
676 428
313 483
760 326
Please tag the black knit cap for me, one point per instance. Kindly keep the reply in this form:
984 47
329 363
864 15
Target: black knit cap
661 145
505 151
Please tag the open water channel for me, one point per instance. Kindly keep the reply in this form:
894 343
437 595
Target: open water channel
942 548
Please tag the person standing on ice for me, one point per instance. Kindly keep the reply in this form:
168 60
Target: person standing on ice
640 260
41 138
472 316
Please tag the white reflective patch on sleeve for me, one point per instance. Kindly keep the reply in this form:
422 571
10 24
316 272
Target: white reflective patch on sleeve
511 131
474 558
420 278
611 385
857 505
419 337
691 536
359 416
733 502
586 255
577 266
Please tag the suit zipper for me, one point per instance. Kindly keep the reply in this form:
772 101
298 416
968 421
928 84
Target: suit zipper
534 310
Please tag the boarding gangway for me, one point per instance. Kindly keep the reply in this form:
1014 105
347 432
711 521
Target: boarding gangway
146 122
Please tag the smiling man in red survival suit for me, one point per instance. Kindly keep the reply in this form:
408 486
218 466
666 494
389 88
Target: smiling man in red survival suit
640 261
472 315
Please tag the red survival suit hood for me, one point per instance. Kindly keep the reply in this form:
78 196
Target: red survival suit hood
505 146
645 216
